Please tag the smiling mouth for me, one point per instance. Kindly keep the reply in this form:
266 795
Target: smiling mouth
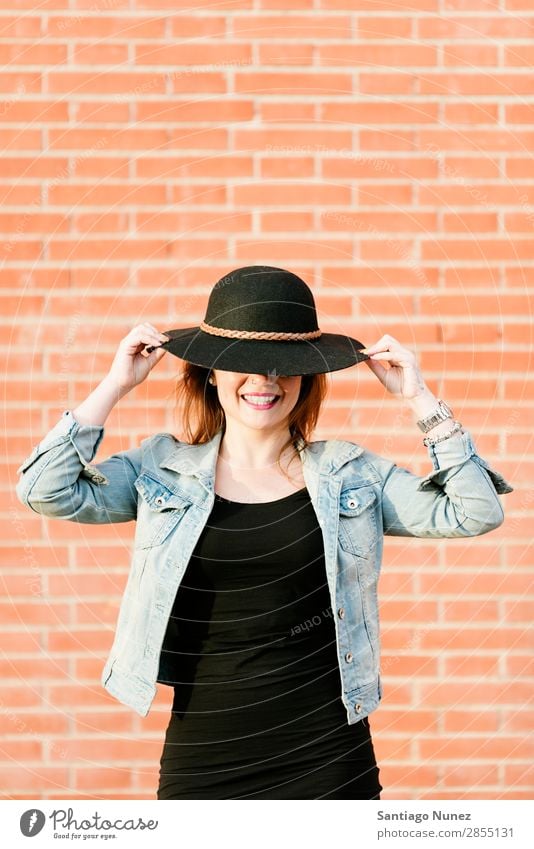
261 402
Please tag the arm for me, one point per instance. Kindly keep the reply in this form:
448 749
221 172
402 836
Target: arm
57 479
460 496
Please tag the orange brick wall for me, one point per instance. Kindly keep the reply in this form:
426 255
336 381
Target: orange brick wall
381 150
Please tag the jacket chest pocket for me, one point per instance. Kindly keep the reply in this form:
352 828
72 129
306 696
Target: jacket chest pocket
358 526
158 512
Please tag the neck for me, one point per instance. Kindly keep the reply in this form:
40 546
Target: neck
246 448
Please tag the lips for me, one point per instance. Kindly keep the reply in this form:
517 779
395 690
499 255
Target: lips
260 401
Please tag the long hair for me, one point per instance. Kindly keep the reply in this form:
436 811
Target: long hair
203 415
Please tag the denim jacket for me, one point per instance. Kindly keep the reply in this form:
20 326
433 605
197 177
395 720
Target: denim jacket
167 486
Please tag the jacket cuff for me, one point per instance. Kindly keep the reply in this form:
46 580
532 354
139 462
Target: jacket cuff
452 451
450 454
84 438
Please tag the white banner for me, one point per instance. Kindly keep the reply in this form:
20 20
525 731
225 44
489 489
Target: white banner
480 824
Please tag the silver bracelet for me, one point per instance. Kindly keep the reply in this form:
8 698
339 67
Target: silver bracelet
428 440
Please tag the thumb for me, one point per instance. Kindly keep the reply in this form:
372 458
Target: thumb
156 354
378 369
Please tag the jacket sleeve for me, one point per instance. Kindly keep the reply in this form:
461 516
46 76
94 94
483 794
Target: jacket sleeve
58 480
458 498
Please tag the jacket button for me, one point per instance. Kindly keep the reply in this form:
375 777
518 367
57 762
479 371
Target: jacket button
351 502
160 500
341 612
348 657
358 707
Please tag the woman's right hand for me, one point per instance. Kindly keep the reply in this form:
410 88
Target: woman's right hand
132 364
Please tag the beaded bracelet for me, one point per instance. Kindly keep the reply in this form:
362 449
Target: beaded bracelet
429 441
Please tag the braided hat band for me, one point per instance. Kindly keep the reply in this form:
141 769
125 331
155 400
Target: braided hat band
258 334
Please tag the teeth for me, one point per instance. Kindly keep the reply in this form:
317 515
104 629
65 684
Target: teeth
260 402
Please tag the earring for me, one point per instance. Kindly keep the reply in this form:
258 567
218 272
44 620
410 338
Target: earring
211 380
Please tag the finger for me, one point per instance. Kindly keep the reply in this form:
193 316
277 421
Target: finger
377 369
400 357
386 343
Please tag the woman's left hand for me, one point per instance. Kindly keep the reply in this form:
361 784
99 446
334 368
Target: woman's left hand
404 377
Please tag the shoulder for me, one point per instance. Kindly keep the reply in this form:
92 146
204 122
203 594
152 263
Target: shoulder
163 439
354 459
159 447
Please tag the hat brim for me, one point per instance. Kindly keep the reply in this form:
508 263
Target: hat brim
330 352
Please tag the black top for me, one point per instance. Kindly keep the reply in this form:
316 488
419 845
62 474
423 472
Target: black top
257 712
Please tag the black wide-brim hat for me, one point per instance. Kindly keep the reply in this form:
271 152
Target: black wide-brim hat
263 320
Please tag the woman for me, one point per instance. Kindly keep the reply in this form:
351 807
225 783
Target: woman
252 590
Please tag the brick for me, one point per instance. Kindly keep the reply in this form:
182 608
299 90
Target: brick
17 140
270 26
95 749
109 167
277 82
194 26
377 168
398 55
463 666
469 775
25 81
103 27
125 84
33 781
219 55
135 139
33 54
470 721
32 723
376 82
470 28
287 167
468 54
258 252
282 112
519 55
293 194
286 54
487 139
21 26
100 53
34 669
376 194
106 194
379 113
114 721
282 222
183 111
198 82
476 638
96 779
490 83
193 222
278 4
379 222
37 112
471 113
472 222
472 748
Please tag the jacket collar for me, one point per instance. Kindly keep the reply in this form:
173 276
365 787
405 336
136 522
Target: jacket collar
324 456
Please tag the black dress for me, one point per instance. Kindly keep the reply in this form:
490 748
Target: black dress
257 712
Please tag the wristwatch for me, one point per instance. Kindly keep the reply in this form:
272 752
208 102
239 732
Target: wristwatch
442 412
